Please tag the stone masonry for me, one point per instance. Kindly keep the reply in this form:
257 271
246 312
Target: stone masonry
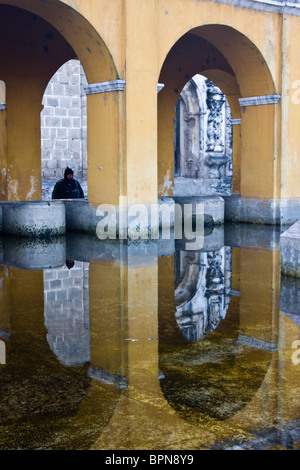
66 310
64 127
202 131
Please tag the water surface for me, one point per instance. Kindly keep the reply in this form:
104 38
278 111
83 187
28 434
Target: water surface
148 345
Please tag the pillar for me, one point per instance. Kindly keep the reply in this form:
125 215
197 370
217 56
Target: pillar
141 99
105 142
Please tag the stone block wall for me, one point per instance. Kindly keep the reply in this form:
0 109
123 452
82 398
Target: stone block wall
202 131
64 127
66 311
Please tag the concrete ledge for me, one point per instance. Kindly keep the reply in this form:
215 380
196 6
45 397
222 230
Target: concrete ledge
213 206
289 211
34 219
189 187
255 211
290 251
261 211
81 216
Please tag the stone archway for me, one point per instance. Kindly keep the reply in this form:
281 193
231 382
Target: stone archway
203 140
236 66
37 39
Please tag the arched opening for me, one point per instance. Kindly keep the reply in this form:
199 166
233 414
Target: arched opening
229 59
64 127
203 140
37 39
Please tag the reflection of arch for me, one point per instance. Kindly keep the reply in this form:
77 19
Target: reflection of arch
212 371
46 35
237 67
65 398
209 373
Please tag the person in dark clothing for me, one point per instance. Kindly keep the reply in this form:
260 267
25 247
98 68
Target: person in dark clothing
68 187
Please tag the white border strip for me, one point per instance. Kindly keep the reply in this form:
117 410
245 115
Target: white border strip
104 87
258 100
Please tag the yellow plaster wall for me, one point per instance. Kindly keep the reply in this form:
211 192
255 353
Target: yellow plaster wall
290 136
256 147
105 168
108 18
118 40
141 101
175 18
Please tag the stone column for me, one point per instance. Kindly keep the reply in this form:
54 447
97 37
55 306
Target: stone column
105 142
141 102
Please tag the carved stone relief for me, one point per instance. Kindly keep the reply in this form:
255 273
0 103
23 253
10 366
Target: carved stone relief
203 140
203 289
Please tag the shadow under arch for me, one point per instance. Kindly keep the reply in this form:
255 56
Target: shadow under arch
237 67
86 42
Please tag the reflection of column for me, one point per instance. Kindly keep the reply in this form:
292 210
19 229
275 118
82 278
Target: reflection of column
258 333
104 103
27 320
108 355
123 321
142 324
288 369
142 417
259 290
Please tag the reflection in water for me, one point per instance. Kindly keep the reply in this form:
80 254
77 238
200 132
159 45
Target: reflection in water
147 347
66 311
203 289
